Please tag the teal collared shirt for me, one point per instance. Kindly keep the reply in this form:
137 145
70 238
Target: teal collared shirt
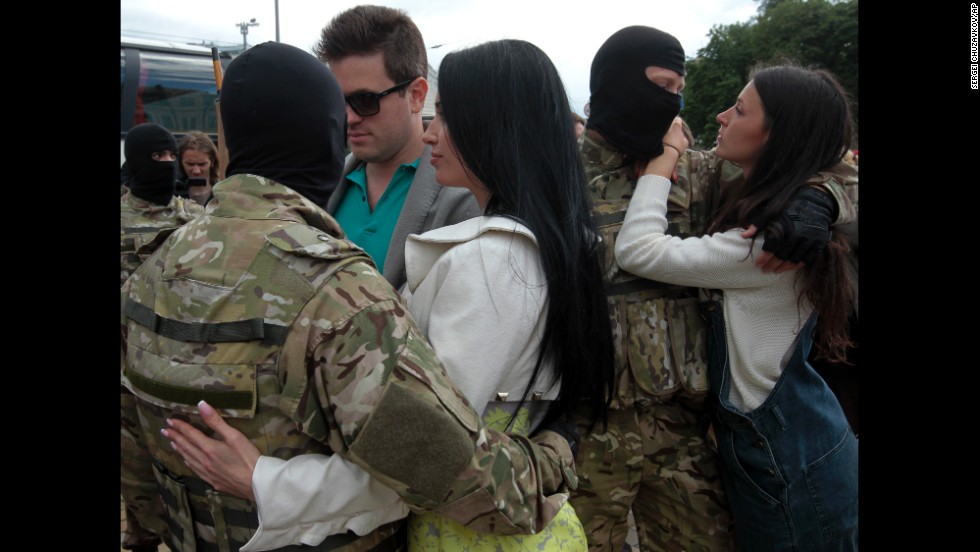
369 229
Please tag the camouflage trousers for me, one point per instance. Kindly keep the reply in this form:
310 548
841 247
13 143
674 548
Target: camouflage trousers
656 460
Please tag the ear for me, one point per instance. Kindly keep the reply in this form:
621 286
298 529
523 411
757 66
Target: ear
417 92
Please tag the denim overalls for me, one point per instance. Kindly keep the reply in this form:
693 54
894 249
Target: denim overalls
790 466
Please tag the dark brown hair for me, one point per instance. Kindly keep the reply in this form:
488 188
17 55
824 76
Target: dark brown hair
366 30
808 117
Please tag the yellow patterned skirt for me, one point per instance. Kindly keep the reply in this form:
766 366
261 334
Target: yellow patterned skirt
434 532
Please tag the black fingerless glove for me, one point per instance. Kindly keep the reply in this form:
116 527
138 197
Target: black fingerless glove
802 230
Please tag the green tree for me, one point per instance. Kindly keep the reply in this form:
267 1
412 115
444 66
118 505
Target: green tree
715 78
818 33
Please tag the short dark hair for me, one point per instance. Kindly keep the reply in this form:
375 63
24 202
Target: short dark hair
365 30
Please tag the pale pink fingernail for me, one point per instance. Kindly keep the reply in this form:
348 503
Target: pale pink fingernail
205 408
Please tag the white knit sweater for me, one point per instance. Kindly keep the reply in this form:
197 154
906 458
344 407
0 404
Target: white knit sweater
762 316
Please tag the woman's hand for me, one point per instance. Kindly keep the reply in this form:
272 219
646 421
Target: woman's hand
675 143
226 464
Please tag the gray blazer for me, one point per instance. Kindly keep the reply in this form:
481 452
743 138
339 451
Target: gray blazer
427 206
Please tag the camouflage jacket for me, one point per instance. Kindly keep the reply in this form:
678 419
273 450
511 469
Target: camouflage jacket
144 226
262 308
658 331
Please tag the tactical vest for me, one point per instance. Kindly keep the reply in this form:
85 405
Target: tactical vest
137 244
141 236
218 338
659 333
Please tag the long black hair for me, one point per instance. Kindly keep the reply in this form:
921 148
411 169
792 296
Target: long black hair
506 109
810 129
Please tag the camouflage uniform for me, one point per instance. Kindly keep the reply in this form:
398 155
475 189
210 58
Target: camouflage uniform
289 331
144 226
654 457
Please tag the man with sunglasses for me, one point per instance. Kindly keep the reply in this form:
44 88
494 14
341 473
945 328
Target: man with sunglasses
388 190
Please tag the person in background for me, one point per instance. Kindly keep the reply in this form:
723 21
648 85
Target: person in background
147 217
149 210
388 189
199 170
789 458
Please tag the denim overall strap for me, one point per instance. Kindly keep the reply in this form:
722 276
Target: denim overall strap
790 465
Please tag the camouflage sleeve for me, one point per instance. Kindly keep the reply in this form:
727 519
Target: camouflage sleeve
378 394
144 508
841 182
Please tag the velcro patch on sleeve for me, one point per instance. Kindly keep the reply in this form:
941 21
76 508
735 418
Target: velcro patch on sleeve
414 442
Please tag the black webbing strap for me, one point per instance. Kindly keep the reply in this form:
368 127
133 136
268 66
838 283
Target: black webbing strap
201 332
610 218
231 400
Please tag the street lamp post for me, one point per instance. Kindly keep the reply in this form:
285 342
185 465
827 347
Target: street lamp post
244 25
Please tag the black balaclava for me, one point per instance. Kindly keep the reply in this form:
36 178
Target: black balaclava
628 110
284 118
150 180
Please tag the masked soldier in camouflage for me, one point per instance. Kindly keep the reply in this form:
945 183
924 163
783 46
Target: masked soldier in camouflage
654 457
149 212
149 209
261 308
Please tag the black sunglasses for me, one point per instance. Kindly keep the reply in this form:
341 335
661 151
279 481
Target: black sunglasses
366 104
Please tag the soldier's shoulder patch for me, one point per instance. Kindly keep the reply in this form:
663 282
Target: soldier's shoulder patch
308 241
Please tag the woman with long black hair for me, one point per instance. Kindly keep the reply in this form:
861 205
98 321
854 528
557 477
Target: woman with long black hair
512 301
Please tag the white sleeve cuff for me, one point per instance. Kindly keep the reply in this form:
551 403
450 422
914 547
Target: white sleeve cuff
310 497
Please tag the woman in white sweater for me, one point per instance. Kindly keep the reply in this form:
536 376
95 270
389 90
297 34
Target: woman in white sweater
789 457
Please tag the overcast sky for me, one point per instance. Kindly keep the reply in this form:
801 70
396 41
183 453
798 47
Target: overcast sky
569 32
